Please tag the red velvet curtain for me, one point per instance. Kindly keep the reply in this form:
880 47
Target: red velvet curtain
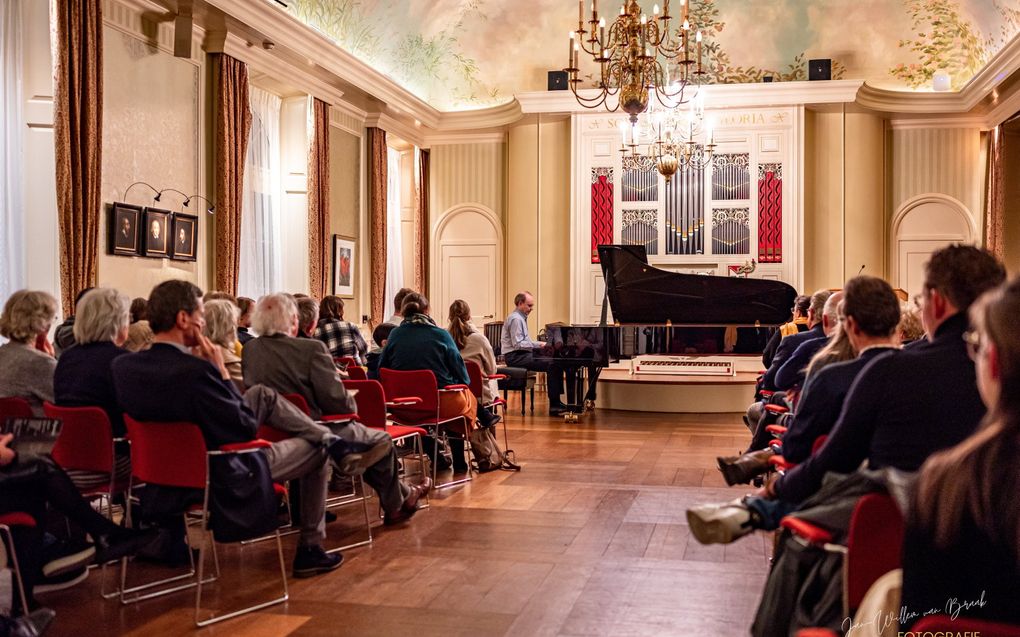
318 202
377 219
422 226
233 125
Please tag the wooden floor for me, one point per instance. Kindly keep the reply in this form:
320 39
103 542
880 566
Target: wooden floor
589 539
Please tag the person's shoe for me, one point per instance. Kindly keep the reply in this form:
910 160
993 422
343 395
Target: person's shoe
67 579
410 505
719 523
122 543
488 419
353 458
68 557
742 469
166 549
559 409
314 560
32 625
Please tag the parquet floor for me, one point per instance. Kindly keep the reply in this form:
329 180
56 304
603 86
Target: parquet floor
589 539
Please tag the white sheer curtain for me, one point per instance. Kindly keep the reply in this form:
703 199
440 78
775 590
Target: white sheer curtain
394 242
12 266
260 267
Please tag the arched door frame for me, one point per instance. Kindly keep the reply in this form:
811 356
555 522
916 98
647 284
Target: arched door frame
908 206
435 262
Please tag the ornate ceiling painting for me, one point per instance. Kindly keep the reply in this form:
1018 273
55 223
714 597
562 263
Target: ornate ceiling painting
465 54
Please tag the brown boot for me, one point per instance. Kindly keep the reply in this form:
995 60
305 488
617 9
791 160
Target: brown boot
742 469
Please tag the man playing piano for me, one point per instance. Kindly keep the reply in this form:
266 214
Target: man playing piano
519 350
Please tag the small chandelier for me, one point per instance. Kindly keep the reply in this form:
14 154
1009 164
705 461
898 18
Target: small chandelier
634 56
674 147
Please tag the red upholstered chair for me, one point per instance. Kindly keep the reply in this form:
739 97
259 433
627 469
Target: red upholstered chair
186 467
872 548
8 520
780 463
15 407
413 397
478 379
946 625
86 443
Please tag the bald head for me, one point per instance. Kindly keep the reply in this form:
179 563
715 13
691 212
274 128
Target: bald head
830 312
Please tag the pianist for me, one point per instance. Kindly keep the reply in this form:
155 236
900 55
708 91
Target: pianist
519 350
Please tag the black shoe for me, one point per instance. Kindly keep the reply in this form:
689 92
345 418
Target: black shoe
122 543
33 624
69 555
313 560
410 505
353 458
561 408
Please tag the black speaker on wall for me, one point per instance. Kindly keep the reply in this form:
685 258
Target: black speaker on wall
819 69
557 80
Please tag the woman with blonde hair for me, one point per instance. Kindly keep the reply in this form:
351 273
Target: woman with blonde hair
25 371
838 349
221 328
961 550
475 347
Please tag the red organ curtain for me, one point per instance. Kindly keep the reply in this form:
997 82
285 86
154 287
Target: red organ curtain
770 213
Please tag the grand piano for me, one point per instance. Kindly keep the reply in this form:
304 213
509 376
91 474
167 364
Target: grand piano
661 312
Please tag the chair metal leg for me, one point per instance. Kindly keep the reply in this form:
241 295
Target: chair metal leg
190 575
453 483
17 569
368 523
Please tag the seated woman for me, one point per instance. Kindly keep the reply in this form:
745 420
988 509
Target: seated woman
341 337
83 377
961 550
419 344
24 370
221 328
475 347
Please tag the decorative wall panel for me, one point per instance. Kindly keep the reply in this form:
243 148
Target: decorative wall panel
601 209
640 183
731 177
685 213
731 231
640 228
770 213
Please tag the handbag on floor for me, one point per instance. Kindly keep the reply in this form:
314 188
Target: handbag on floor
487 453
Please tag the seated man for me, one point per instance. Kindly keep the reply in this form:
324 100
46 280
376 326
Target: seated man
870 313
790 374
183 378
903 407
519 351
797 325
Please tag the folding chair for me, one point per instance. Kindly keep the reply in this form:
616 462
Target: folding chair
414 396
477 379
872 548
8 520
187 467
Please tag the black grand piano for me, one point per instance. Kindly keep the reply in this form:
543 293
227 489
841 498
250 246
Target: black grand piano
660 312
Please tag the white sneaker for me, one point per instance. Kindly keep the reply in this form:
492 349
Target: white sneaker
719 523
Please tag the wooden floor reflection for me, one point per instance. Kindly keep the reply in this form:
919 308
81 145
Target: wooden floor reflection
589 539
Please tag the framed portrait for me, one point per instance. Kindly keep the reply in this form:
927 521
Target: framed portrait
343 266
124 224
184 237
156 233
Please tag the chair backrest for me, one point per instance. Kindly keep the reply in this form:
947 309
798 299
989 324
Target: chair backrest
299 402
371 402
494 333
171 454
15 407
939 624
345 362
475 381
357 372
419 382
873 545
817 444
85 442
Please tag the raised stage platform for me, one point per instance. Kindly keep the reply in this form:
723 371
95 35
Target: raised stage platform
618 388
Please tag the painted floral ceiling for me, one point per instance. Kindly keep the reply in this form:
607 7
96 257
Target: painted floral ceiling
464 54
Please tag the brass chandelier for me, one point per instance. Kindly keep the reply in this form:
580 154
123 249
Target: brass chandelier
635 54
673 145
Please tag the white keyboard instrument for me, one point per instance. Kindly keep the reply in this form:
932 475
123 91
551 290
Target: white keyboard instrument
681 366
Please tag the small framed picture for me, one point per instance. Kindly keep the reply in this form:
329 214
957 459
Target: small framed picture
124 223
343 266
184 236
157 229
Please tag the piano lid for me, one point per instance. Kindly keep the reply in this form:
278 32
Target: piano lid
642 294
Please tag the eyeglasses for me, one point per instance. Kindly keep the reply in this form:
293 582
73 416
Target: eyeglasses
973 340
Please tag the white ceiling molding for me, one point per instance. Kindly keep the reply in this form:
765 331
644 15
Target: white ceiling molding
348 119
963 121
407 132
128 17
502 115
444 138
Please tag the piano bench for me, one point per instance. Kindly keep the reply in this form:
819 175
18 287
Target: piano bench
518 379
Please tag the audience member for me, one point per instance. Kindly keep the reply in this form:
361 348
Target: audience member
963 540
419 344
63 336
788 346
797 324
475 347
221 328
791 374
246 306
199 391
839 348
24 370
341 337
138 309
379 335
519 351
911 329
398 302
139 337
308 315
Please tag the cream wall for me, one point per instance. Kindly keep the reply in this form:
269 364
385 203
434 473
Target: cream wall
294 167
844 213
467 173
538 217
152 133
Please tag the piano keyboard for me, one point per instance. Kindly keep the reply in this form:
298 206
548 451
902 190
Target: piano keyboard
681 366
